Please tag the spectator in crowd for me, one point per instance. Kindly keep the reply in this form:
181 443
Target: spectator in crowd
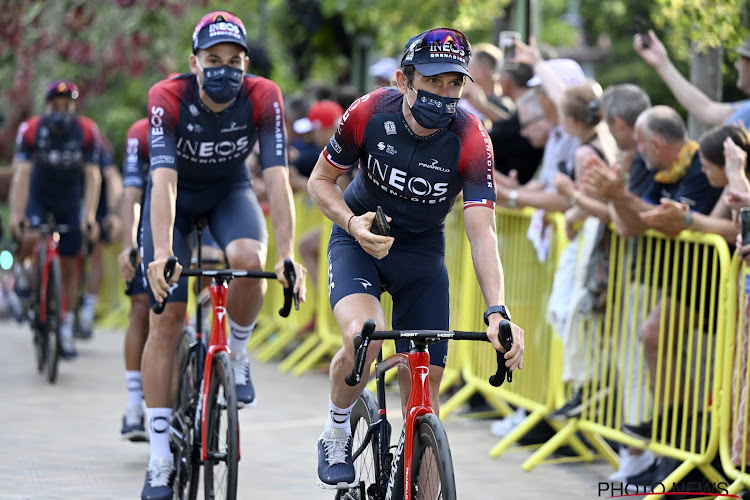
516 157
382 72
661 139
484 96
688 95
558 152
321 122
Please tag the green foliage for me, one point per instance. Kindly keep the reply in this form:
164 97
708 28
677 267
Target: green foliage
707 23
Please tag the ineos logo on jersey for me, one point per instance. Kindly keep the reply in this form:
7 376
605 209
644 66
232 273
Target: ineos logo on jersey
219 150
157 129
398 183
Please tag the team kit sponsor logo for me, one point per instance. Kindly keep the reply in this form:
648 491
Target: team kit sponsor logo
399 183
448 48
224 29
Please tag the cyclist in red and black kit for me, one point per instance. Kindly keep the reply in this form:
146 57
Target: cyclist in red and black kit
134 179
202 126
57 166
416 151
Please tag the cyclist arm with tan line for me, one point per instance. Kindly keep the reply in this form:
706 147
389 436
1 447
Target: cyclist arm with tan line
480 229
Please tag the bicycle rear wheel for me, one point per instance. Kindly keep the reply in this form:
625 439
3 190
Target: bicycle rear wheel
432 465
53 318
367 463
222 431
184 428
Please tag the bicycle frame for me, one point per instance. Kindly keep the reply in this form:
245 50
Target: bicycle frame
51 242
417 361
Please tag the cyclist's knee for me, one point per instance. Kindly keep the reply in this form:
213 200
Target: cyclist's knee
139 308
246 254
166 327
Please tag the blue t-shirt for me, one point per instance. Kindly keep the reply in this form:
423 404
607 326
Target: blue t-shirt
740 112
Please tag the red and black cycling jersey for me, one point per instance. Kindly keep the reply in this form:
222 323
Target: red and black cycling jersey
135 161
58 159
415 179
209 148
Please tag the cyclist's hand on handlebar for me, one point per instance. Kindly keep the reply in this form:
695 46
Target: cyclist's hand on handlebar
90 230
374 244
299 283
15 223
514 357
159 286
126 268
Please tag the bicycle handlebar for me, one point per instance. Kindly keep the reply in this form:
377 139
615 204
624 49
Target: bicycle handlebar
362 341
229 274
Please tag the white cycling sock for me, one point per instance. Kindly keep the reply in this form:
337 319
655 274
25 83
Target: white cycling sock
89 303
66 329
158 428
239 335
338 417
135 388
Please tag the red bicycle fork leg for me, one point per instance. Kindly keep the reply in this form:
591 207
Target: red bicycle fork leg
418 405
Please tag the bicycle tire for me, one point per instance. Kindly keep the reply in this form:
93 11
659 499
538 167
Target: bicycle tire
53 318
184 416
222 431
432 465
40 335
367 464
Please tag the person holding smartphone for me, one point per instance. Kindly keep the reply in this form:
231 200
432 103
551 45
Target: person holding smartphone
698 104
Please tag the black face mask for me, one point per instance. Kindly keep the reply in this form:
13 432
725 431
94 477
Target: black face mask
60 122
221 84
433 111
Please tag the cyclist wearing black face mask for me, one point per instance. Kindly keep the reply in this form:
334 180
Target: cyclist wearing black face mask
416 150
56 166
202 126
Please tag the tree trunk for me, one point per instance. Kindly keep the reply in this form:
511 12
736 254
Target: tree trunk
705 73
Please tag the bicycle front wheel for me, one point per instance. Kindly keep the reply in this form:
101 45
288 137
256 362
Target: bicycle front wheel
53 319
40 334
365 452
432 465
222 431
183 433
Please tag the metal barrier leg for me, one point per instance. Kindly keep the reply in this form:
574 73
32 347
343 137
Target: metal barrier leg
299 352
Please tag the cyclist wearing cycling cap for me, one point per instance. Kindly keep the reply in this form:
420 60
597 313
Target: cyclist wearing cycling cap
416 151
202 126
57 165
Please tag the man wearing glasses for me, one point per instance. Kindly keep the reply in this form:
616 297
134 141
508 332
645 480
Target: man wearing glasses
416 150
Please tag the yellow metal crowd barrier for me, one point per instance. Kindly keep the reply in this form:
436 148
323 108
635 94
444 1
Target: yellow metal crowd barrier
686 279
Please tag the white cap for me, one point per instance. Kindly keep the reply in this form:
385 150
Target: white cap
567 70
303 125
384 68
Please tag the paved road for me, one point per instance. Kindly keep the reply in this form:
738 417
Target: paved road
62 441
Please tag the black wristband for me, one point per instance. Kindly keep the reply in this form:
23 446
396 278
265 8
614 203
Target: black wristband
496 309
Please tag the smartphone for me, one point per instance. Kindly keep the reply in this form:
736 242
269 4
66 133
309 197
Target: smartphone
641 27
745 224
380 225
508 44
562 167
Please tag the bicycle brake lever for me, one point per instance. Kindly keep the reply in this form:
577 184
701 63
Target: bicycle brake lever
361 342
158 308
291 276
503 372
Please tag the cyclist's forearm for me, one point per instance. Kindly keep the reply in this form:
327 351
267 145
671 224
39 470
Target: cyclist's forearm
480 230
327 195
19 192
130 205
91 190
281 206
114 189
163 202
